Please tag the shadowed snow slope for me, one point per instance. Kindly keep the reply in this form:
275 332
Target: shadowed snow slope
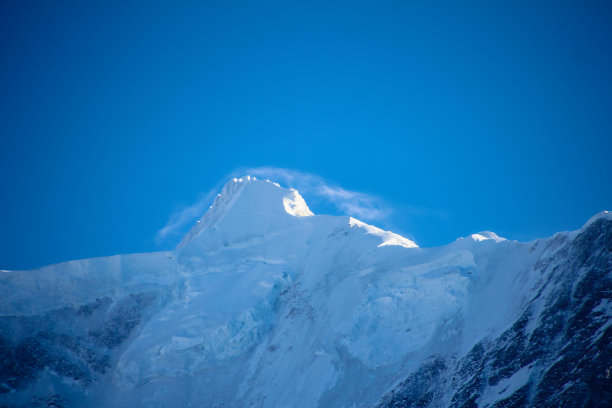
265 304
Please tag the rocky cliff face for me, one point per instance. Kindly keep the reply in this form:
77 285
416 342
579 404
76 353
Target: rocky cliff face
558 353
265 304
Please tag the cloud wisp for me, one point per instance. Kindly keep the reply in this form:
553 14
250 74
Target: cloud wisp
316 190
184 218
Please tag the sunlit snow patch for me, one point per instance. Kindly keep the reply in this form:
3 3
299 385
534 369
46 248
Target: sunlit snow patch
388 238
295 205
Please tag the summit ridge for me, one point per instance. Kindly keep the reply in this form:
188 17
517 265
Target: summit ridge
265 304
253 198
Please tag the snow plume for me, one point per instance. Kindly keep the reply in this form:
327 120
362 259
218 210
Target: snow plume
180 222
315 189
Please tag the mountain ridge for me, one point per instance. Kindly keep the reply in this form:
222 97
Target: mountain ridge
266 304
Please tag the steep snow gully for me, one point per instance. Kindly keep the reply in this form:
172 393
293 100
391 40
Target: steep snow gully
265 304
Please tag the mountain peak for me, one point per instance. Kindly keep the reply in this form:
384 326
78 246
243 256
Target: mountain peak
248 200
603 215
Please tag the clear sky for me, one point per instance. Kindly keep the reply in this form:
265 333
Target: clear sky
458 116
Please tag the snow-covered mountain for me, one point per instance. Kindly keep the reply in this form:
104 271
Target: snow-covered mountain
265 304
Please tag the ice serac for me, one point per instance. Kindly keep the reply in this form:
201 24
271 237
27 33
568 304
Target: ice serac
265 304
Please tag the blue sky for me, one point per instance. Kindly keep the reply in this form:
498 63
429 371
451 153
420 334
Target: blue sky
454 117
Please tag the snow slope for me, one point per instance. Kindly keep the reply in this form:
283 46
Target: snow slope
264 304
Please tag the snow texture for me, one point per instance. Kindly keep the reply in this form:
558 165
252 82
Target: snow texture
265 304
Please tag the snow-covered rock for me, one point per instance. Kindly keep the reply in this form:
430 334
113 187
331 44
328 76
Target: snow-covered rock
265 304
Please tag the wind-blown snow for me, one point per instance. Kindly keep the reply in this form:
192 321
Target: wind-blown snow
266 304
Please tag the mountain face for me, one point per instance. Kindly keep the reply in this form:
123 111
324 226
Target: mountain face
264 304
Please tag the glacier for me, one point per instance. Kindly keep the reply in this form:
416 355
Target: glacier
265 304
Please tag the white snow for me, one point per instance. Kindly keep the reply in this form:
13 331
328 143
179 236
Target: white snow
295 205
484 235
387 237
266 304
505 388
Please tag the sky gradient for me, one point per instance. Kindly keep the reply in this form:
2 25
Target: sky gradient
456 118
